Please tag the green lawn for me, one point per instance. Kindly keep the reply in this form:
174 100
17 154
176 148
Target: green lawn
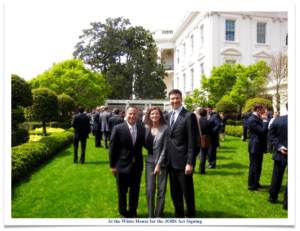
61 189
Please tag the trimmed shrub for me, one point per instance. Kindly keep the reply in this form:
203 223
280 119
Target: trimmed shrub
251 103
64 125
32 125
226 106
234 130
44 107
19 136
26 157
20 92
65 103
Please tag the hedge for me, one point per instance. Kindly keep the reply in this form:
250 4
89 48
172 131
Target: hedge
32 125
234 122
28 156
234 130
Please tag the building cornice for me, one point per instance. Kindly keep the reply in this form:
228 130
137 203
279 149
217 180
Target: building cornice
186 22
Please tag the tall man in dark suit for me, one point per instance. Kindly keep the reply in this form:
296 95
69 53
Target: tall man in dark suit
245 123
81 124
257 129
97 127
278 136
105 125
126 161
216 125
115 120
181 155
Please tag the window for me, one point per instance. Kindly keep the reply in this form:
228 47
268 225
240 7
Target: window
202 68
192 43
230 30
286 40
184 83
184 50
167 32
177 82
178 56
261 32
231 61
202 34
192 79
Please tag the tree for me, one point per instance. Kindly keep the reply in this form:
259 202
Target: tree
21 96
251 103
126 56
226 105
278 77
87 88
238 82
65 103
196 99
44 107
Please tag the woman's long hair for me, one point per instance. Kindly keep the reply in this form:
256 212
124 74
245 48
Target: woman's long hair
148 121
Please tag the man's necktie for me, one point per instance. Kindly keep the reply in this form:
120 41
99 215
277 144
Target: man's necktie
172 120
133 135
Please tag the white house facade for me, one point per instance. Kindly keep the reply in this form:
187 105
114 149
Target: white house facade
207 39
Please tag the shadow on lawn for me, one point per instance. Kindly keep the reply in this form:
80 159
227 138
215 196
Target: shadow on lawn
223 173
233 165
99 162
199 214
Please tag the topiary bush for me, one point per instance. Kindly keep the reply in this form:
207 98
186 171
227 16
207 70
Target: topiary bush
251 103
234 130
26 157
66 104
226 105
44 107
21 96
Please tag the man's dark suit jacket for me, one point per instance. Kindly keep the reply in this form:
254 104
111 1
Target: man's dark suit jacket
278 136
216 125
257 130
182 145
115 120
121 149
246 117
104 121
81 124
97 122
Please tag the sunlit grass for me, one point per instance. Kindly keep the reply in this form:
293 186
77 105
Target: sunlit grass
62 189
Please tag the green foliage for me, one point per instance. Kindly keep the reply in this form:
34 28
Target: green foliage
21 96
31 125
234 130
65 103
65 125
196 99
19 136
234 122
20 92
251 103
226 105
86 88
127 57
44 107
237 82
29 155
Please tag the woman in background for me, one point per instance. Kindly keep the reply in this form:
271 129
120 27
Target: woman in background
223 123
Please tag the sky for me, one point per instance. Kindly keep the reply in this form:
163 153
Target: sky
39 33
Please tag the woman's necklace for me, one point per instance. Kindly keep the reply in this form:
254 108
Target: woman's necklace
153 131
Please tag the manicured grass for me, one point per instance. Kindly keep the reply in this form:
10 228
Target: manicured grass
61 189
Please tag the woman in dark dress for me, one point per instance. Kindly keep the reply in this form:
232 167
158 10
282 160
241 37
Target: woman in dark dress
156 138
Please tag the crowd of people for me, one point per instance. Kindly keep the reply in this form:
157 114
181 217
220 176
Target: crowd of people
173 141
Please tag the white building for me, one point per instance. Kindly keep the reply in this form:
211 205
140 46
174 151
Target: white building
207 39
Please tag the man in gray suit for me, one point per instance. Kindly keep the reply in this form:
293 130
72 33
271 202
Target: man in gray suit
105 125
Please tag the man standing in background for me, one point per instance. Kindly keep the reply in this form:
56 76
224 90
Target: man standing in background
105 125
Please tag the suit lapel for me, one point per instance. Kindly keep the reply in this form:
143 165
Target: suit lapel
158 135
179 118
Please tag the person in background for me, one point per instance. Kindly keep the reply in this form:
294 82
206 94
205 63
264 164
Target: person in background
223 123
81 124
245 118
216 124
257 129
97 127
105 125
116 119
156 141
206 129
278 136
276 115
